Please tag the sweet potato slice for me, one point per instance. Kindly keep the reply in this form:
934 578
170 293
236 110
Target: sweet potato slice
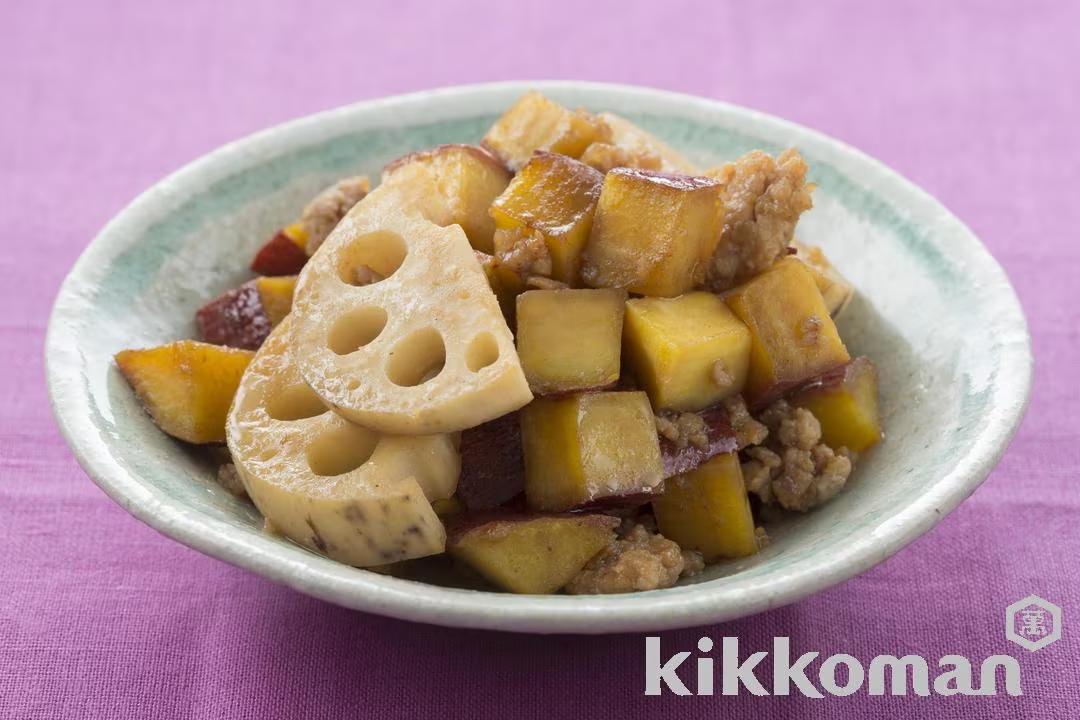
186 386
708 510
653 233
688 352
570 339
845 402
535 554
590 448
793 337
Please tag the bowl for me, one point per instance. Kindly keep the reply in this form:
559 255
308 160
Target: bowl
934 311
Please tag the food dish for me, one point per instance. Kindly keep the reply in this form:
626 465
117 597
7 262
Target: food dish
736 579
640 351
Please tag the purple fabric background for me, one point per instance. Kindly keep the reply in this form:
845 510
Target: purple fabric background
101 617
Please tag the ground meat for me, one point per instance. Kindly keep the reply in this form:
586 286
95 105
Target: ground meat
763 198
796 470
693 563
762 538
633 519
638 561
748 431
325 211
758 471
605 156
683 429
229 479
523 251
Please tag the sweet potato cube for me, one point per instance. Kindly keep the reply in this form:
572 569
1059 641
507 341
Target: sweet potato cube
793 338
708 510
588 448
186 386
532 554
688 352
283 254
244 316
470 178
845 402
536 123
275 294
555 196
653 233
236 318
570 339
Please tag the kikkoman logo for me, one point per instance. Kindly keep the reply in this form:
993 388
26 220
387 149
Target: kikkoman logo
1032 623
839 675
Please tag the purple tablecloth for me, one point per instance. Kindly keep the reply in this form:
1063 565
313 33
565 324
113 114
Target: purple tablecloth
101 617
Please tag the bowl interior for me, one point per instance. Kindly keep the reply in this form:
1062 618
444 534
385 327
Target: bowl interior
933 311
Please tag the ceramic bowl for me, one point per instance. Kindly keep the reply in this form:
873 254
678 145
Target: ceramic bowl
934 311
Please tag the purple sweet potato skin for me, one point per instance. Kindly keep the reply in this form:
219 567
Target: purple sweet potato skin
722 439
279 256
492 465
235 318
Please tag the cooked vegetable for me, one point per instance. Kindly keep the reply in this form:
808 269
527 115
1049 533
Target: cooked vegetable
235 318
504 282
688 352
793 338
532 554
276 294
553 197
492 468
186 386
845 402
590 448
570 339
708 510
653 234
346 491
537 123
283 254
395 323
469 178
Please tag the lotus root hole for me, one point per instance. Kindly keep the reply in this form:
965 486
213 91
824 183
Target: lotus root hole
417 358
355 329
371 258
295 402
483 351
341 450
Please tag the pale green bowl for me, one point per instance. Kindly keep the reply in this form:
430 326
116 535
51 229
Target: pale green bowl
935 312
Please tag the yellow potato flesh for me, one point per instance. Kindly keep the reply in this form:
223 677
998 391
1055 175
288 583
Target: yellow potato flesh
707 510
570 339
589 447
793 338
674 345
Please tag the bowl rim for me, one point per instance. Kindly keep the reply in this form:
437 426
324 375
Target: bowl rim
708 602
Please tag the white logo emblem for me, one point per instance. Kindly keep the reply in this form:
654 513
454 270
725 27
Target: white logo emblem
1033 623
